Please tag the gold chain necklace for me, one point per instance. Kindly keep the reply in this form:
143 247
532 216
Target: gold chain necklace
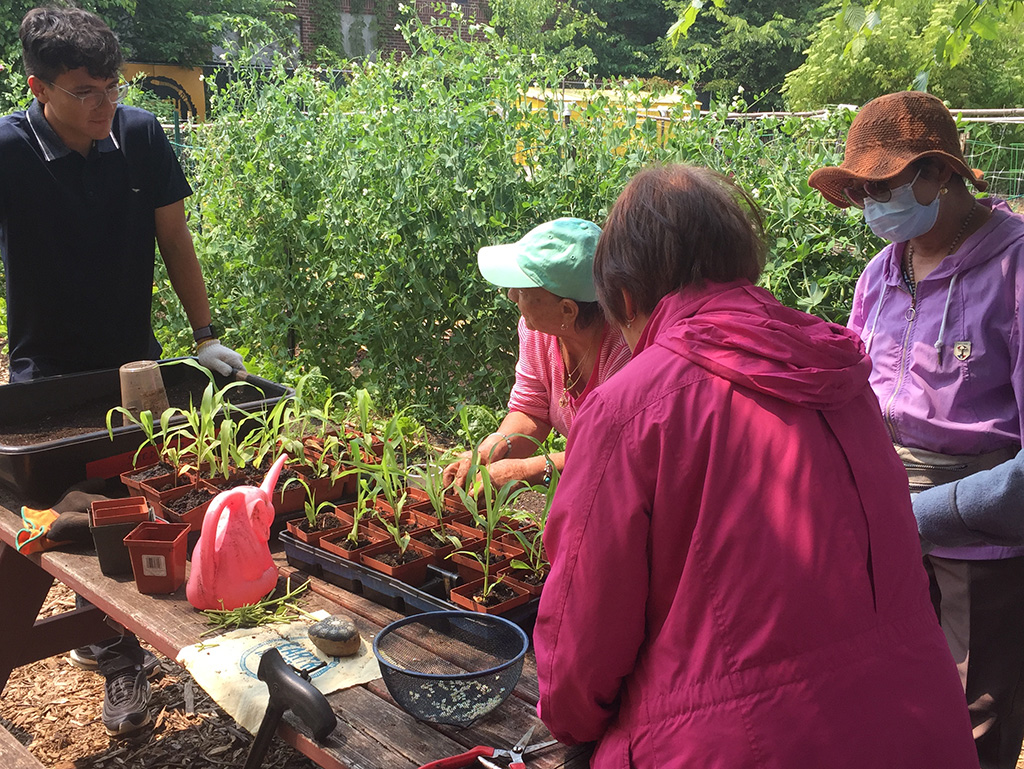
571 379
908 254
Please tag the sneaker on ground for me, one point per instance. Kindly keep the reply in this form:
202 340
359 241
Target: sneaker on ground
84 658
126 704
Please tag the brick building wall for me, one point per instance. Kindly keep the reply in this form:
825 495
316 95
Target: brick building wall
380 35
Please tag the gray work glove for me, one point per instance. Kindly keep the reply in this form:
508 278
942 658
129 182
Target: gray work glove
218 358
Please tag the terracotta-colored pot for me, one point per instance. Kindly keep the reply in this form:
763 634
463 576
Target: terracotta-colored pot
105 512
512 579
157 552
469 568
413 573
131 479
332 542
152 489
407 522
299 529
463 596
439 550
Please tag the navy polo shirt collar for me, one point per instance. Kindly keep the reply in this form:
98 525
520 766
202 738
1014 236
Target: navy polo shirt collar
51 144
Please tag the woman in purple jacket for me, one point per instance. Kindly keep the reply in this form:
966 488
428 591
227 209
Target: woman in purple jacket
736 576
940 313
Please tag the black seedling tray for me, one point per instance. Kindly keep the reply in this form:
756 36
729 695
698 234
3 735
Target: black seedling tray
40 472
432 595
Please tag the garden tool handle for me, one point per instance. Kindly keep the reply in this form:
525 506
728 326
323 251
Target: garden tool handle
462 759
293 692
288 691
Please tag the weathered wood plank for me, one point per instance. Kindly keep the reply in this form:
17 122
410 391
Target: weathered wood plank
14 755
372 730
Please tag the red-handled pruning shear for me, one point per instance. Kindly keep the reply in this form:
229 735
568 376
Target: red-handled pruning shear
482 753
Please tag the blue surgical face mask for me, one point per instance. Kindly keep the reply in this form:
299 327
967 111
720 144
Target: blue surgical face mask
901 218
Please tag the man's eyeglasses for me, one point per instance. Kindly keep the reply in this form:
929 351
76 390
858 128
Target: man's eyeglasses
94 99
877 191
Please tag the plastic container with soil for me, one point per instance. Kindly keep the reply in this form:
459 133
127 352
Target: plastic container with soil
409 567
45 449
157 553
433 594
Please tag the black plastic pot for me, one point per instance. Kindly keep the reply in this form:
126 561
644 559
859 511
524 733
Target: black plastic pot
111 549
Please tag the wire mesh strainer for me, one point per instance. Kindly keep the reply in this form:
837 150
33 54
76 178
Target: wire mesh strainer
450 667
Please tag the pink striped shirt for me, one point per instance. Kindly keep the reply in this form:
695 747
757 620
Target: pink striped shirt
540 375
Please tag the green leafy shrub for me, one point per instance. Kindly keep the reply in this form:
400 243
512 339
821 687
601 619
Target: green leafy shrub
338 217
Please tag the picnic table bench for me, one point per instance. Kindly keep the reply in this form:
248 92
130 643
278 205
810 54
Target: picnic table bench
372 731
14 755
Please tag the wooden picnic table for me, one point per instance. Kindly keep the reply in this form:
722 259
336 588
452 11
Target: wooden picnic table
372 731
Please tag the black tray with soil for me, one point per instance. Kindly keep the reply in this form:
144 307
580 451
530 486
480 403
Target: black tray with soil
432 595
53 431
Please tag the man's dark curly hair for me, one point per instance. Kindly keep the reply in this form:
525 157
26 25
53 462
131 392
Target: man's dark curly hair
55 40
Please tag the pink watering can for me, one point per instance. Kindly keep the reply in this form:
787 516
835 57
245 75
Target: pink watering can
231 563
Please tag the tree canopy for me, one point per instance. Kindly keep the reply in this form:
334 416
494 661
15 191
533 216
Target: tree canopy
631 41
751 44
845 66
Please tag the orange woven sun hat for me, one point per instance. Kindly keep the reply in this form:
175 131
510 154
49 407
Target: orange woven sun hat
888 134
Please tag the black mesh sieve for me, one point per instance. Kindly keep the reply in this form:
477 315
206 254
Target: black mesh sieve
450 667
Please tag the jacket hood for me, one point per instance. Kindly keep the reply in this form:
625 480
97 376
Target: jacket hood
743 334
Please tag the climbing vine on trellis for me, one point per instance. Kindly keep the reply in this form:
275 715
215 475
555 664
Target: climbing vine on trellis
327 25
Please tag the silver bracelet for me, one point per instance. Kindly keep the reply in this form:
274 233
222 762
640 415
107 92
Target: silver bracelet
508 442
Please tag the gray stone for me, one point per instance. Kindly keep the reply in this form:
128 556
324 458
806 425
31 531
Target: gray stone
336 636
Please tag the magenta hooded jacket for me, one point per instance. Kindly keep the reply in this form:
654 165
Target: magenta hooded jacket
736 576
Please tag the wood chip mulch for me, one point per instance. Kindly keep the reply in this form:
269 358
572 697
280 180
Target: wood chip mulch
54 708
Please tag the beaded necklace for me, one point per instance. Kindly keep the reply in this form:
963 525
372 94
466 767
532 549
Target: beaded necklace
908 254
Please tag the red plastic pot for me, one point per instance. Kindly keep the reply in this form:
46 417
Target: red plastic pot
157 552
105 512
463 596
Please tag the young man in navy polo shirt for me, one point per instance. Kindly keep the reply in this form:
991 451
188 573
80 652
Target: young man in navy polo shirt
87 189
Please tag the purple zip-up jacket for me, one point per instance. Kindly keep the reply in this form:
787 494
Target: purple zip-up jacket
948 370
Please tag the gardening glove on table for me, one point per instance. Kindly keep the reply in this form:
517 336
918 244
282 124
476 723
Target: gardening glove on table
216 357
67 522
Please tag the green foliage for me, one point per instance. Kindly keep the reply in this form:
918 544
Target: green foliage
747 46
950 39
846 66
544 25
184 32
338 224
629 41
326 32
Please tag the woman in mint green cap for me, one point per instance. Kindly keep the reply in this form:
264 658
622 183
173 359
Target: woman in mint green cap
566 349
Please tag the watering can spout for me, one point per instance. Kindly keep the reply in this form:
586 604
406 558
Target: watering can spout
267 487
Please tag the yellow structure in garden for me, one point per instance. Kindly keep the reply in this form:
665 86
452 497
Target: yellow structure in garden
568 105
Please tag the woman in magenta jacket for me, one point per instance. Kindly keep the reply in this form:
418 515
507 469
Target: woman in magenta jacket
736 576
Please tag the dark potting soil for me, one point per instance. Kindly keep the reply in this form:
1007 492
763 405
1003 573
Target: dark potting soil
153 471
398 559
499 594
188 501
324 521
254 475
91 416
429 539
172 483
348 544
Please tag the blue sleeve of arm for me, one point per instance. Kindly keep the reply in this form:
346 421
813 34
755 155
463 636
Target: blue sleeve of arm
984 507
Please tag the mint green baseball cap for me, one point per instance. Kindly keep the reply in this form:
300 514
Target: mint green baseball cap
558 256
